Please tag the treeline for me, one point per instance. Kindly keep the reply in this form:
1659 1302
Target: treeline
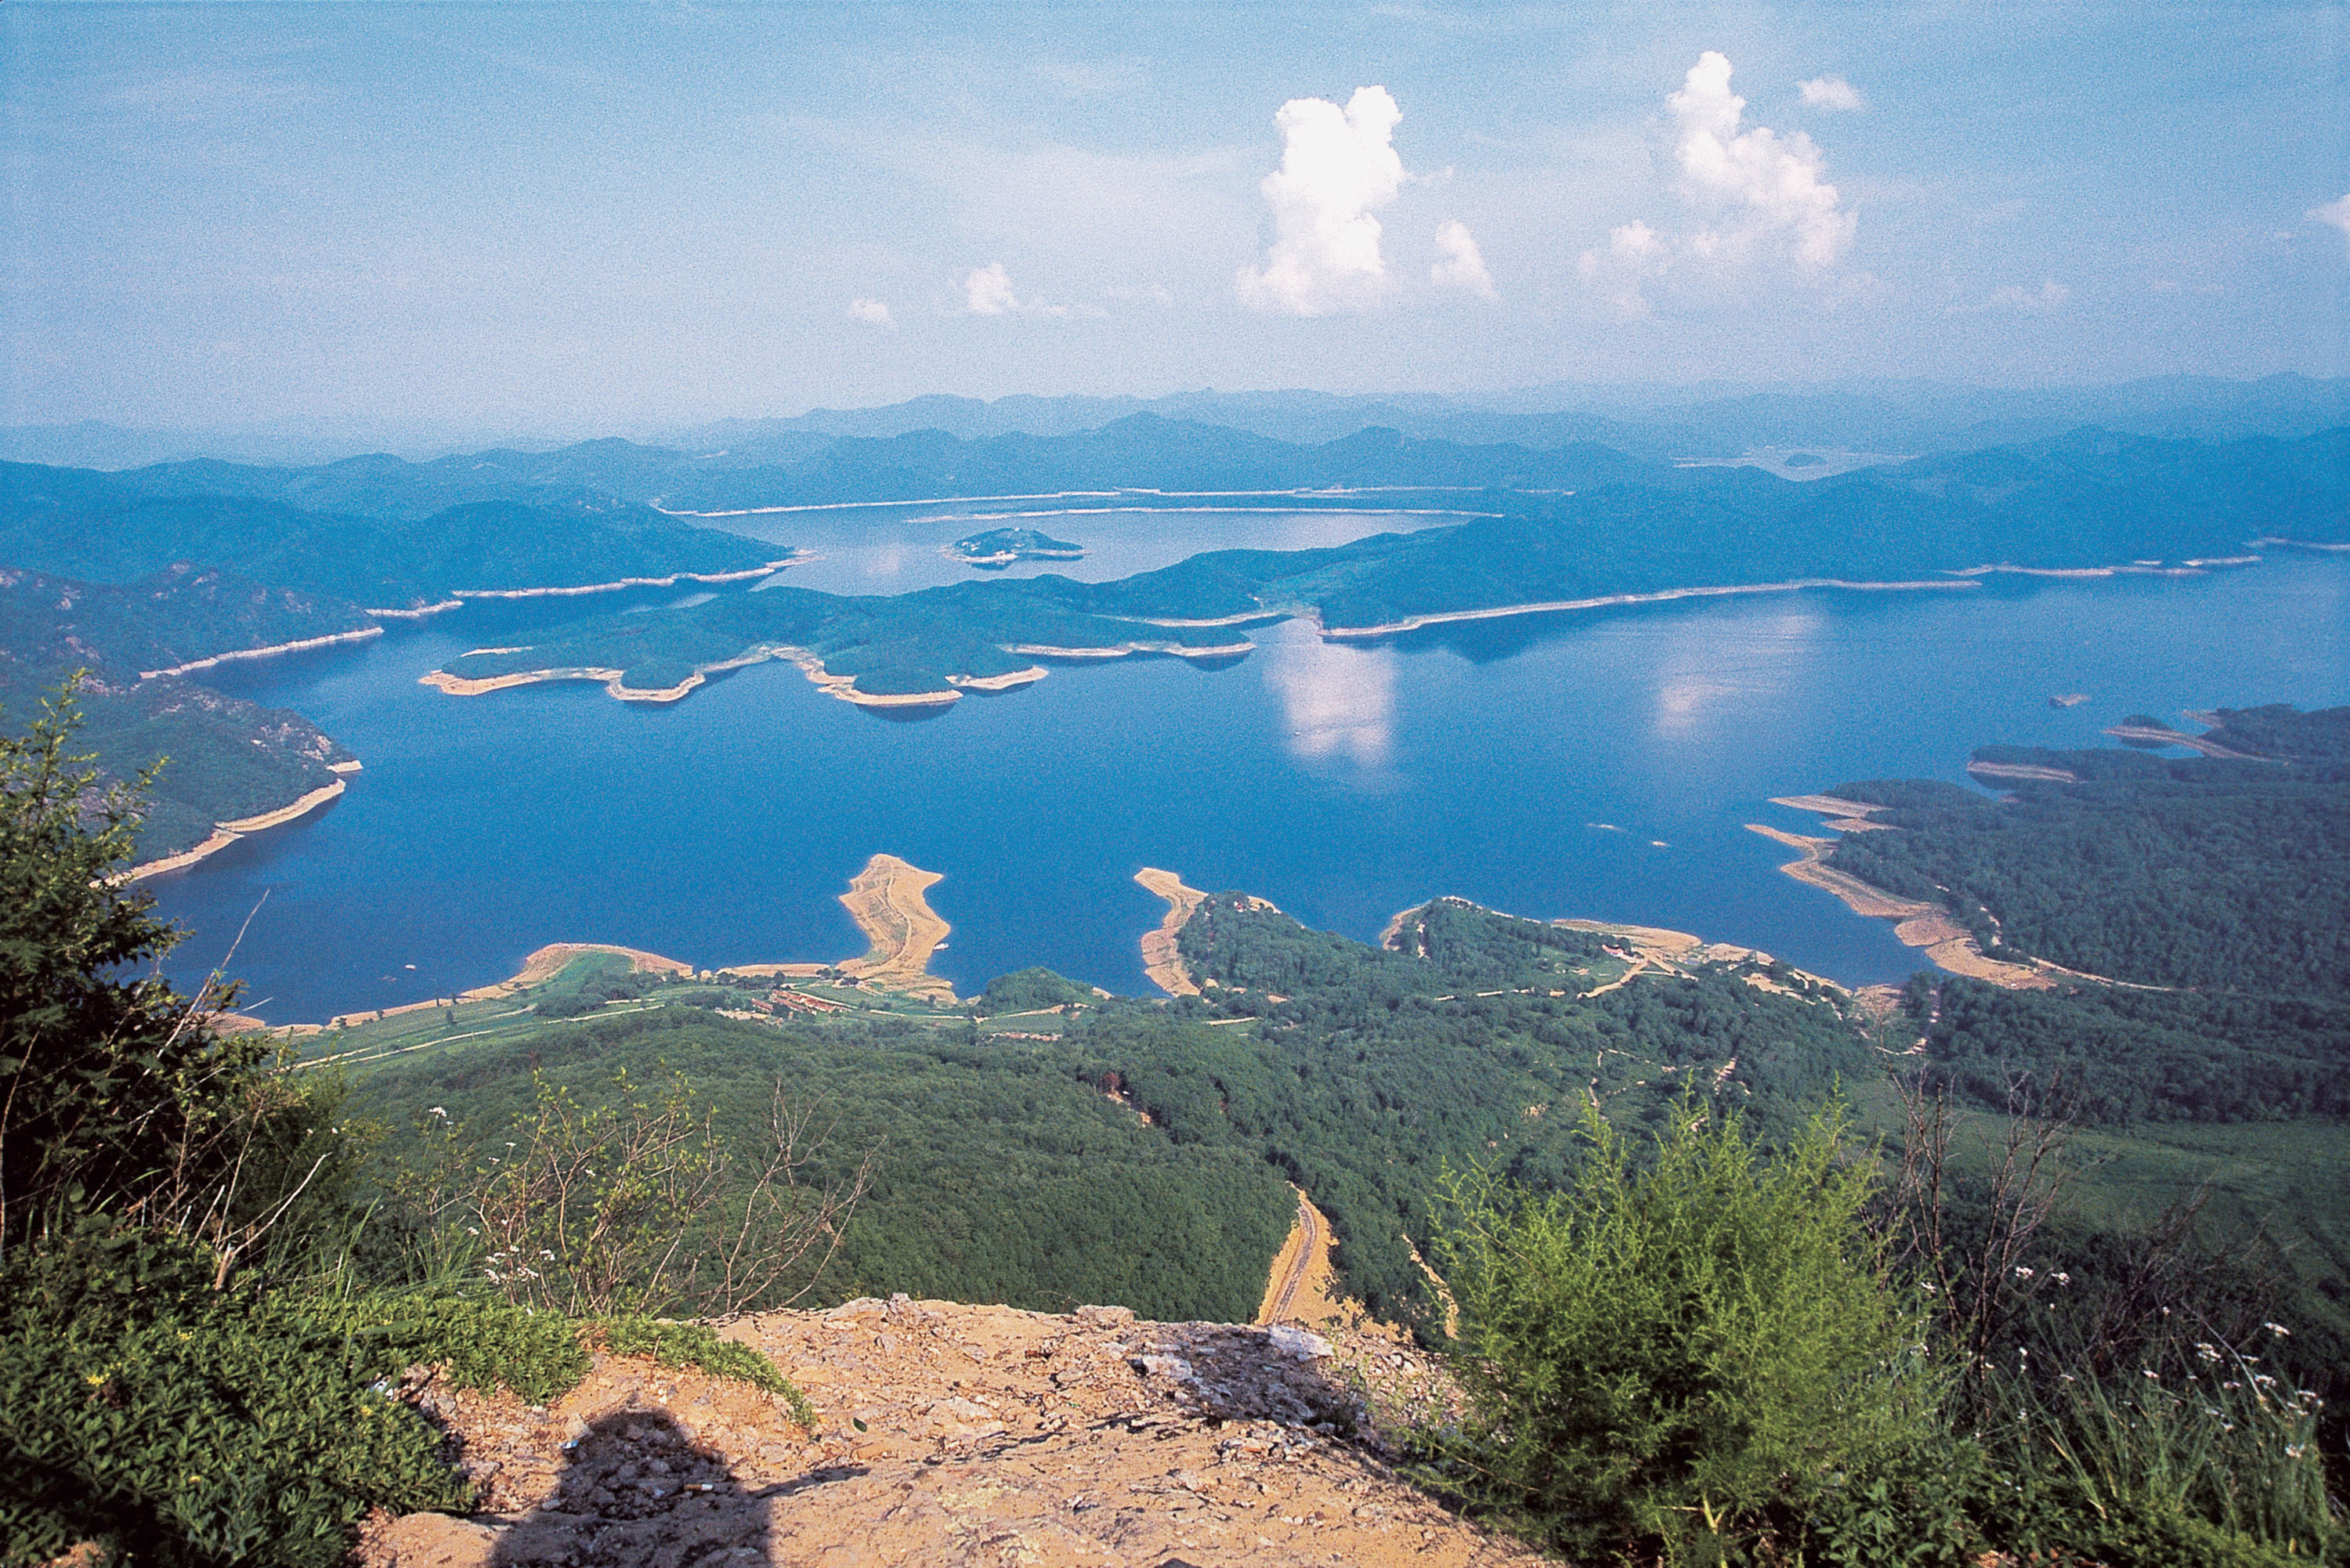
2138 1055
2217 875
1003 1173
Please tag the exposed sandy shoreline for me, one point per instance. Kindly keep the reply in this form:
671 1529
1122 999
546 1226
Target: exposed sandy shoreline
2170 737
1028 676
2193 568
886 903
273 650
1413 623
443 608
884 900
1949 945
1160 959
2024 772
811 665
1121 649
615 680
746 574
227 832
541 966
1010 557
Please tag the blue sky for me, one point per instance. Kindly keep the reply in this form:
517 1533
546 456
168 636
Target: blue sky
612 217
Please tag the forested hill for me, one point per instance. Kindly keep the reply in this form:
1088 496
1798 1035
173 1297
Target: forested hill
2210 873
1130 1150
2092 502
231 759
119 528
2211 895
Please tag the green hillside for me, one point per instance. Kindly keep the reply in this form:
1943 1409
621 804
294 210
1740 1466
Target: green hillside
2089 502
108 528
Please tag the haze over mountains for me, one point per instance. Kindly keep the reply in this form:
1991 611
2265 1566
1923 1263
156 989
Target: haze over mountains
1662 422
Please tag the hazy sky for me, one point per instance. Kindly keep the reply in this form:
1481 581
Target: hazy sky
602 217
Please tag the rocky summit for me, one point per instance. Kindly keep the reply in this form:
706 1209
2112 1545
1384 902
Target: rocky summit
958 1435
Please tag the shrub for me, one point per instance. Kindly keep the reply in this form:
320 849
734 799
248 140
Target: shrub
183 1424
140 1407
1685 1359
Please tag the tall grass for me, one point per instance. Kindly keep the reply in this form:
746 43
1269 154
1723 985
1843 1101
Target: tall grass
2213 1448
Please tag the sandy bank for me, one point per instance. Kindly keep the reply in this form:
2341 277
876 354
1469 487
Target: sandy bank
1161 959
227 832
540 967
2194 568
2163 735
1844 815
1172 622
270 652
1413 623
443 608
2028 773
671 581
1010 557
615 682
1925 926
1028 676
1120 650
886 901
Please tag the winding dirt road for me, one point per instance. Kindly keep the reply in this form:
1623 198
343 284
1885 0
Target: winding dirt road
1305 1242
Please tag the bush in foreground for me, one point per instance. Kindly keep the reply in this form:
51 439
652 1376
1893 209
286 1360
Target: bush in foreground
1685 1360
192 1371
176 1423
1703 1356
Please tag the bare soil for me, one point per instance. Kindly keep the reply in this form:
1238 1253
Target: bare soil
961 1436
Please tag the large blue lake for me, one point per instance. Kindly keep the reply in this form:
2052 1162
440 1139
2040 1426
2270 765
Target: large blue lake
1596 764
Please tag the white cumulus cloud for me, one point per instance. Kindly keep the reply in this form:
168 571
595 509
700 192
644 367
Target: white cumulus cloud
1338 166
1770 185
2335 212
1458 263
871 312
1756 194
988 291
1830 92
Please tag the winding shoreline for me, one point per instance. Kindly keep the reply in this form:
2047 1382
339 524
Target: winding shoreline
811 665
744 576
1946 944
1161 959
1443 618
227 832
329 640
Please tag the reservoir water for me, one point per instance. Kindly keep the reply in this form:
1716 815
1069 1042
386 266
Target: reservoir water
1597 764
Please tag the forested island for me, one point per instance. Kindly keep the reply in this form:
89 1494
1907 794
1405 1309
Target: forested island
1001 547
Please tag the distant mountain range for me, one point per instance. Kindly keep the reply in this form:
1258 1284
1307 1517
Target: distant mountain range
1658 422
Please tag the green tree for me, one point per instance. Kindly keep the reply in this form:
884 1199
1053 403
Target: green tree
117 1096
1681 1357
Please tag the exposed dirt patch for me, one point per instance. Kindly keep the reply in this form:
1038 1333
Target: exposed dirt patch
954 1434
